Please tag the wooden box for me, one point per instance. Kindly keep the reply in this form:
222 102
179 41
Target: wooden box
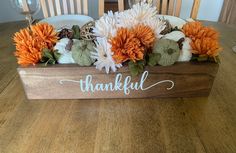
74 82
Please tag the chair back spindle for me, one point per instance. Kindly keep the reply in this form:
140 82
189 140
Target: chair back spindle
59 7
173 7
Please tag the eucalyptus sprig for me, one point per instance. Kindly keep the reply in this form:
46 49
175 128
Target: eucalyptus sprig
49 56
137 67
76 32
153 59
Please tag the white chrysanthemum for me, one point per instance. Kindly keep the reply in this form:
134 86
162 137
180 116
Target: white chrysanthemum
66 55
106 26
157 26
140 13
185 54
103 55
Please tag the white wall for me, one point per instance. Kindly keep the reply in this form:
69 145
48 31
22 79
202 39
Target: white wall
209 10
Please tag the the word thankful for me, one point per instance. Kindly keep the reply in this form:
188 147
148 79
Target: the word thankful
119 84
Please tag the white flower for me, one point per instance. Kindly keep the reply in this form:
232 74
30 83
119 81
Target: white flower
157 26
140 13
106 26
185 54
103 55
66 55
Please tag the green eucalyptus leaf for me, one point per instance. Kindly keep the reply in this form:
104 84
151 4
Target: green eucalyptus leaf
51 61
142 62
56 55
194 58
136 67
49 57
76 31
153 59
43 59
47 53
202 58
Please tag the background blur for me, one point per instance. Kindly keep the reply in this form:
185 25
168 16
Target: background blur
208 10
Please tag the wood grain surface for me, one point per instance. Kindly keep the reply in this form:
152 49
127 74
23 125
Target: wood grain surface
175 125
186 79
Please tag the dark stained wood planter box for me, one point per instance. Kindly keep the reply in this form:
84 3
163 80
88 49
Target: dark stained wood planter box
63 81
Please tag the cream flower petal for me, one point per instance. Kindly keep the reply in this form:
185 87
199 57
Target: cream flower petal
103 55
106 26
157 26
140 13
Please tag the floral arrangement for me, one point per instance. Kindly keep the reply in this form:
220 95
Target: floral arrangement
136 37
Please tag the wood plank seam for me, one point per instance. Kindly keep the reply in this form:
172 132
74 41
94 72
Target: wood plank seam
14 77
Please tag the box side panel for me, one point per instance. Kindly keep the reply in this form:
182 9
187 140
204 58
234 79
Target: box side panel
180 80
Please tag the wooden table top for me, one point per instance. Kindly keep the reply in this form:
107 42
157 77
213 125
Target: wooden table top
189 125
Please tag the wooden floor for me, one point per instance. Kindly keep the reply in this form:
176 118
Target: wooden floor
193 125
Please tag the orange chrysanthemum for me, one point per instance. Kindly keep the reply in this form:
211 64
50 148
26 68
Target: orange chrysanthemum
131 44
126 46
204 39
30 43
206 46
195 30
46 33
145 34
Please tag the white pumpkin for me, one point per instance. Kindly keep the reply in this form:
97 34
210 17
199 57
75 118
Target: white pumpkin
185 53
66 55
175 35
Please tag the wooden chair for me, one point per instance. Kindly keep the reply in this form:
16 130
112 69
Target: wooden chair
173 7
59 7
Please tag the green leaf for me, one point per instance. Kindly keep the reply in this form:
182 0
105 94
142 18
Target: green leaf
76 32
194 58
153 59
136 67
56 55
49 57
47 53
202 58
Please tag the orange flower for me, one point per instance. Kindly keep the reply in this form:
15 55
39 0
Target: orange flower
192 30
131 44
46 33
204 39
126 46
195 30
206 46
29 44
145 34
